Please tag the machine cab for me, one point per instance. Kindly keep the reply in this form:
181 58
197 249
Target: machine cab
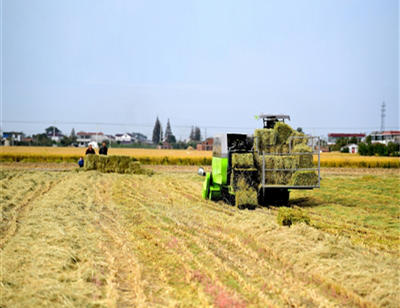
224 146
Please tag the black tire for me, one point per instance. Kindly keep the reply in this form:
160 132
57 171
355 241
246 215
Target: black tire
227 197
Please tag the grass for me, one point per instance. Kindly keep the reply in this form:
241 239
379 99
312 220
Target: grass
89 239
364 208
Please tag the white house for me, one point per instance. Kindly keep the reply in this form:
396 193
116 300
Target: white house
353 148
124 138
83 138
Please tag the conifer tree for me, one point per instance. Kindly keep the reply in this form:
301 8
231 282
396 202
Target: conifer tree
157 132
168 134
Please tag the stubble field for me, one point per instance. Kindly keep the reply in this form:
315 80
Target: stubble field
87 239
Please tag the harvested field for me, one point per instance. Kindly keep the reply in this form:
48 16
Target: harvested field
91 239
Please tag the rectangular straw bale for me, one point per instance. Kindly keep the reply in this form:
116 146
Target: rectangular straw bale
298 138
242 160
90 162
101 163
283 132
239 176
111 163
274 177
245 194
304 178
265 138
289 162
284 148
123 164
306 158
134 166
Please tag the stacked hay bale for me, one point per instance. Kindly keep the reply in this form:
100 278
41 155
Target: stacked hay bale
279 141
242 180
246 194
114 163
304 178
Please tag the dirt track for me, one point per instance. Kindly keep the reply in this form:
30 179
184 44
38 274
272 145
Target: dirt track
89 239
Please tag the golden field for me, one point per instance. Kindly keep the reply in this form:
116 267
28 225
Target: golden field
72 154
90 239
178 157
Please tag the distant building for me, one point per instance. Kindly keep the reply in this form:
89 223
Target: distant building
206 145
55 137
83 138
386 137
13 136
333 137
165 145
353 148
124 138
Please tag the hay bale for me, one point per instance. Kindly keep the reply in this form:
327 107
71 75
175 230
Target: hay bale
304 178
305 160
102 162
243 160
282 132
301 148
289 162
273 162
298 138
90 162
239 175
289 216
134 166
245 194
123 164
265 138
190 148
114 163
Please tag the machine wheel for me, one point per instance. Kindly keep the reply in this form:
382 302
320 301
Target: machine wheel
206 186
227 197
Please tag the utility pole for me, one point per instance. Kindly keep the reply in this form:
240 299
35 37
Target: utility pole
383 116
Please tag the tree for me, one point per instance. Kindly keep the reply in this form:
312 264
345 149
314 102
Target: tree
168 134
353 140
340 142
157 132
72 137
197 134
51 130
369 139
191 136
42 139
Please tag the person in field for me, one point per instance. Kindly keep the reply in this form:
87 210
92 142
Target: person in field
103 150
90 150
81 162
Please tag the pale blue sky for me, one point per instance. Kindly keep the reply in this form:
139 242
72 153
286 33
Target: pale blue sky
213 64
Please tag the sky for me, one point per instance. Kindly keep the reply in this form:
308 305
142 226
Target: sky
115 66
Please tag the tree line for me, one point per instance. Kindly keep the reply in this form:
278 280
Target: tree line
159 137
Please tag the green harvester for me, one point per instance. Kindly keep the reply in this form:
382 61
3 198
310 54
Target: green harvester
262 169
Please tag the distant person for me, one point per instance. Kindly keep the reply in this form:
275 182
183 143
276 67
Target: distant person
81 162
103 150
90 150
